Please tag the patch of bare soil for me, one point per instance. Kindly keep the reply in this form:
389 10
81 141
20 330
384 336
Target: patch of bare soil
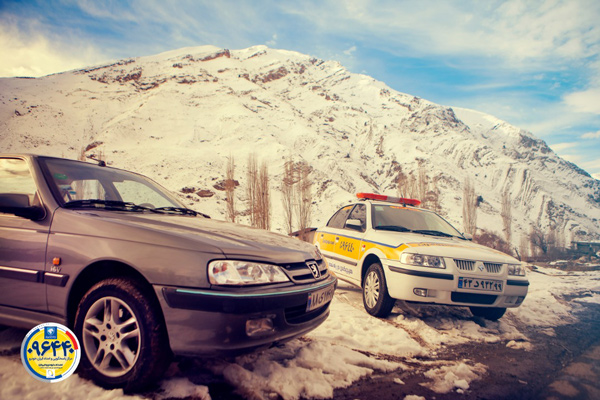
564 366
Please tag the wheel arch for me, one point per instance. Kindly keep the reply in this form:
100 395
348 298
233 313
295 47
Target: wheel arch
366 263
100 271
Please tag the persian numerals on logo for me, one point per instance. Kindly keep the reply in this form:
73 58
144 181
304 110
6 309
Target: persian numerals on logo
50 352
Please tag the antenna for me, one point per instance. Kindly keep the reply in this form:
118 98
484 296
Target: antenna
101 163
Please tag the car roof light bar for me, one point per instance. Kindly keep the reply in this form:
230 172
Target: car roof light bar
389 199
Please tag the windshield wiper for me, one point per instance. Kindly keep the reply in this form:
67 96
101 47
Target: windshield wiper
180 210
106 204
433 233
128 206
394 228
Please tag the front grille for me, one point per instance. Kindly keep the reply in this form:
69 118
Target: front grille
469 265
473 298
298 314
465 265
301 273
493 268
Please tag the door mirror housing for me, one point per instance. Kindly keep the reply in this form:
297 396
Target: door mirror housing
18 204
355 224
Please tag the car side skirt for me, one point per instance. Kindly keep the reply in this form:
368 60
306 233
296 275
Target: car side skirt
27 319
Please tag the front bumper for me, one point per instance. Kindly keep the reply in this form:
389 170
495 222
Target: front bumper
215 322
441 286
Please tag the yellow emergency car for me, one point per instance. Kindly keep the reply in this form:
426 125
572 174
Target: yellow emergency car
394 250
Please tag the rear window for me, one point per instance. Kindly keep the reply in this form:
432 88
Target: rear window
339 218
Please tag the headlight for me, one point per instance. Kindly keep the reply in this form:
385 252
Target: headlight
422 260
231 272
516 270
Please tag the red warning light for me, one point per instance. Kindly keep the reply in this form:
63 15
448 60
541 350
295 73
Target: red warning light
390 199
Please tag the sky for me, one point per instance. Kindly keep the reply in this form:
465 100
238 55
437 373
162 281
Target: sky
532 63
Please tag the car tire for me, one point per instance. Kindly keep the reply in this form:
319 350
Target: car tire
123 337
491 313
376 299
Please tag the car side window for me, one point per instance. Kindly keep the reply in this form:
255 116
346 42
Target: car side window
359 213
16 183
339 218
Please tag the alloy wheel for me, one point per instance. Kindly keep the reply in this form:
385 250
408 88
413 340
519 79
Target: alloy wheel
371 289
111 336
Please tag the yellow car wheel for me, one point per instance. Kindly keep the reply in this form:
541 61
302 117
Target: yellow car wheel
376 299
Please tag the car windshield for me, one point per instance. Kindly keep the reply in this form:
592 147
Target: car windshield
409 219
80 185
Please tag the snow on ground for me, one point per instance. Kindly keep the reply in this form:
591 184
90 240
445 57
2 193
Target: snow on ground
453 377
349 346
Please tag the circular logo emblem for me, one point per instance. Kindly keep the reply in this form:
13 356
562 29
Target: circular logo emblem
50 352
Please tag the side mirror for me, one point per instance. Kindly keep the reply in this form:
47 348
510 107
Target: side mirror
354 224
18 204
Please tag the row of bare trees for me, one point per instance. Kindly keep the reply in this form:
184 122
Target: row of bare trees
296 192
537 243
534 244
419 186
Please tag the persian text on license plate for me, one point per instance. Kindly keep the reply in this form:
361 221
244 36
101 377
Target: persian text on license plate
320 298
479 284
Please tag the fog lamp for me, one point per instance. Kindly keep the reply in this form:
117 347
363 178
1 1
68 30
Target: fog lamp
520 299
420 292
259 326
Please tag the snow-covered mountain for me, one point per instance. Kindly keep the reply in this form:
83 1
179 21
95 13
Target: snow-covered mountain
178 116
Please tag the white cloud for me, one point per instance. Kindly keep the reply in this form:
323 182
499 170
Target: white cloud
593 167
591 135
273 41
113 10
574 158
350 51
585 101
515 31
29 51
559 147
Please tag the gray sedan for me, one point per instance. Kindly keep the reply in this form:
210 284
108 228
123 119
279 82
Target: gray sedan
139 277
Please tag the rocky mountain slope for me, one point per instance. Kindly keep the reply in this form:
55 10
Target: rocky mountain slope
178 116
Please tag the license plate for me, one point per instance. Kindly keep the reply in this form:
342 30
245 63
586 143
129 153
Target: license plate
487 285
319 298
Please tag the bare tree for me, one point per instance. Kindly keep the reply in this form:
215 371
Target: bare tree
258 196
401 182
469 208
230 189
540 241
287 194
252 189
506 215
524 247
304 198
407 185
263 198
422 184
431 200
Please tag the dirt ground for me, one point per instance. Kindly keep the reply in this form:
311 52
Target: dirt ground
566 366
560 367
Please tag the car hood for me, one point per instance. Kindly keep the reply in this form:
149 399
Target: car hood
187 232
446 247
